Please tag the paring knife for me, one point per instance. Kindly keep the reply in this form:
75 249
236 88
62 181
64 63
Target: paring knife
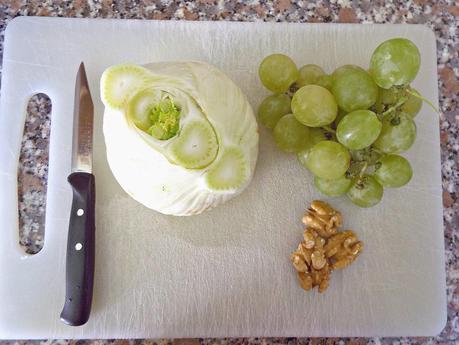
81 236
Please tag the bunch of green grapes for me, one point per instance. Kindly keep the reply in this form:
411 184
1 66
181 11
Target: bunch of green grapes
347 128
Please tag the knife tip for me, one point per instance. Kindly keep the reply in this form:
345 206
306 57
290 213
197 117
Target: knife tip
81 75
81 66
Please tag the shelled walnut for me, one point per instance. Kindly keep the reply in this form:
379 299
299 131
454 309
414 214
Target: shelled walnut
342 249
323 248
322 218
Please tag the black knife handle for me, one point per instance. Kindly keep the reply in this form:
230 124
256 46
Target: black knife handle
80 250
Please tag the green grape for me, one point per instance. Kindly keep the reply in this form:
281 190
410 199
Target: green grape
412 105
395 62
393 171
335 187
314 106
309 75
290 135
388 96
396 136
358 129
341 113
365 192
315 135
328 160
277 72
325 81
273 108
353 88
358 155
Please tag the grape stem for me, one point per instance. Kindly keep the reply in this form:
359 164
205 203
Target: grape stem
395 106
376 150
422 98
329 129
363 170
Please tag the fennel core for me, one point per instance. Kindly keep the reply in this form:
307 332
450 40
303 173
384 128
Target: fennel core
165 118
155 113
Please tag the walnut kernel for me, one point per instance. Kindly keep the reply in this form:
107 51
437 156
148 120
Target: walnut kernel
323 248
322 218
318 259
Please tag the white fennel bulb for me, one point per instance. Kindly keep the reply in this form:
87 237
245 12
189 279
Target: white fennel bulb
181 137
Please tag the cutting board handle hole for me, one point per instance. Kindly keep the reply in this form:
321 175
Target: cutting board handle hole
33 173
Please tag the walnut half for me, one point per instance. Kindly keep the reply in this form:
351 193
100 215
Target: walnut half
311 262
322 218
323 248
342 249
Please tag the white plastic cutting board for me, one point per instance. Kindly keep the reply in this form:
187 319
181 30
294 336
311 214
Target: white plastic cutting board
226 272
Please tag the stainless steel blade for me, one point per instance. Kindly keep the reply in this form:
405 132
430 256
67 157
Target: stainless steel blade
83 121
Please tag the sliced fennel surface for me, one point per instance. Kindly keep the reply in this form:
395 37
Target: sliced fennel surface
229 172
119 81
183 140
139 108
196 146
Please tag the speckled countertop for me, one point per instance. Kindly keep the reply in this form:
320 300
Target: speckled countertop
442 16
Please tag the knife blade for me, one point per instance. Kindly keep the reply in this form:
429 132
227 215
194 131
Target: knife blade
80 254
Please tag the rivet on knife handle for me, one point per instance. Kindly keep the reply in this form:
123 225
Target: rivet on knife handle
80 251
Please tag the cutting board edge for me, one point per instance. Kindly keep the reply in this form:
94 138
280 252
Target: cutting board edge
232 24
